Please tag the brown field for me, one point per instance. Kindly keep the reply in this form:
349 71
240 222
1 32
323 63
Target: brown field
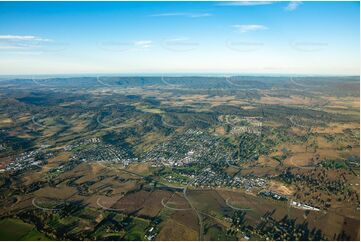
146 203
153 203
328 154
132 202
334 223
141 168
300 159
105 201
215 221
105 184
207 201
258 206
299 131
125 187
336 128
266 161
32 177
220 130
187 218
173 230
344 102
177 201
327 222
6 121
240 198
62 156
352 227
24 117
295 148
55 192
280 188
194 97
78 127
79 171
292 100
25 136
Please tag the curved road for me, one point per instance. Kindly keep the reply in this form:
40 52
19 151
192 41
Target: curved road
167 83
36 123
109 209
106 125
235 208
301 167
175 209
234 84
103 83
296 83
38 83
46 209
170 125
201 227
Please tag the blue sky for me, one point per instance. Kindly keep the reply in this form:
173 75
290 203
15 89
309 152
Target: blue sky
180 37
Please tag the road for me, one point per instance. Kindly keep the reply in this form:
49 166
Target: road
103 83
167 83
301 167
235 208
175 209
201 227
35 122
106 208
296 83
46 209
109 126
169 125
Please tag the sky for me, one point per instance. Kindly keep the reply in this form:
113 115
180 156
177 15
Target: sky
289 38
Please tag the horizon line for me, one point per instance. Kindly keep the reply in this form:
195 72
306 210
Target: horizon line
178 74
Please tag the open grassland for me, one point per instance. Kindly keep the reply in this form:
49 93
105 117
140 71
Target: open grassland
15 229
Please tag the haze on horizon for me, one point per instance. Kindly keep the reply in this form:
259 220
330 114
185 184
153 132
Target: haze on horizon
179 37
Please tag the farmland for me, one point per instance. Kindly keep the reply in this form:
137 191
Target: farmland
202 158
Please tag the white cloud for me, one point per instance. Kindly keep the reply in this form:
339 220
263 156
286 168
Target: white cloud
199 15
131 45
243 28
29 43
244 3
9 47
188 15
143 44
293 5
22 38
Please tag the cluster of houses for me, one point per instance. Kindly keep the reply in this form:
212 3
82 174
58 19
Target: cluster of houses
25 161
273 195
190 147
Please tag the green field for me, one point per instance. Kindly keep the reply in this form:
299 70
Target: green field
136 229
15 229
